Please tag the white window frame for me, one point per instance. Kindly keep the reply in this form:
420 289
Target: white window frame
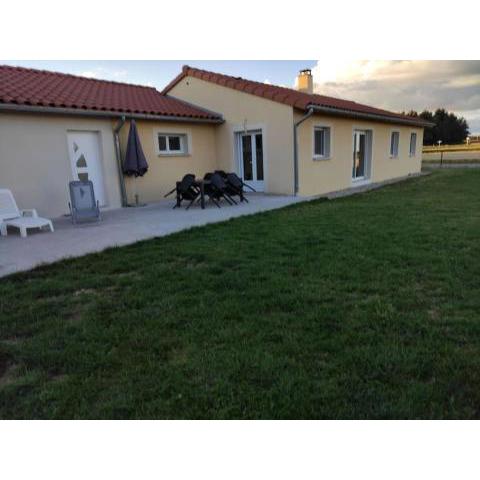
394 154
184 144
414 153
326 129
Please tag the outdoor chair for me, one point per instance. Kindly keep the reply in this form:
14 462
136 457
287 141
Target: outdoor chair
11 216
222 173
83 205
217 189
186 190
243 183
175 189
235 186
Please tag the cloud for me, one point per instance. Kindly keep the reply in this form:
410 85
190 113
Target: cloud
104 73
89 74
404 84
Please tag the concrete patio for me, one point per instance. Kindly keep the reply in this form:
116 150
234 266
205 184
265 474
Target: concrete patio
119 227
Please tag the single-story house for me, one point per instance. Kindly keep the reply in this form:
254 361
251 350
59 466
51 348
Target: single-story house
56 127
291 141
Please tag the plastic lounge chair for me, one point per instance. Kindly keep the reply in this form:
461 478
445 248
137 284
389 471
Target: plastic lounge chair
235 187
82 201
11 216
186 190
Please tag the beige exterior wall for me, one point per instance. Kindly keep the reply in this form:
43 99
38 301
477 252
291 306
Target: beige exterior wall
315 176
240 111
35 162
323 176
165 170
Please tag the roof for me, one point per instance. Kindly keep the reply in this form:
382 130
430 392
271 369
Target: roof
295 98
41 88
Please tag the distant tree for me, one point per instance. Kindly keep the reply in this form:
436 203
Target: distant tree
429 135
448 128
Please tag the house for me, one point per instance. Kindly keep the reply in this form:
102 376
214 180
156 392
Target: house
56 127
291 141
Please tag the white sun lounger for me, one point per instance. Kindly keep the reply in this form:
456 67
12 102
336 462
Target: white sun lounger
11 216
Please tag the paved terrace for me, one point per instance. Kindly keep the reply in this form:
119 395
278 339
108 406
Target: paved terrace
119 227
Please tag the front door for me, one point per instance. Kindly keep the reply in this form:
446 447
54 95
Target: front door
359 154
84 149
251 159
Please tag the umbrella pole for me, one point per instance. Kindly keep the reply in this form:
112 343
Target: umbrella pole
137 200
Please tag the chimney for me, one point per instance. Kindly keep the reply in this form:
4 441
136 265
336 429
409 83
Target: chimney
305 81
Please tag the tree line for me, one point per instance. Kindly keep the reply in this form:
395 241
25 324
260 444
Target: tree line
448 128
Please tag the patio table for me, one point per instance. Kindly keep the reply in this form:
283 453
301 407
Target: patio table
199 183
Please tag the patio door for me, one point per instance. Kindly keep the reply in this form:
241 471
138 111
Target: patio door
85 159
360 155
251 159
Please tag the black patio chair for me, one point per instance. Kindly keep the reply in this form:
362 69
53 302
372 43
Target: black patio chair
222 173
186 190
243 183
191 175
216 189
235 186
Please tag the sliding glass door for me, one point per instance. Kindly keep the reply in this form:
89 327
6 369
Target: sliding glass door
360 154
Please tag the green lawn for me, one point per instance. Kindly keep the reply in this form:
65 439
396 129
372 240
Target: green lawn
361 307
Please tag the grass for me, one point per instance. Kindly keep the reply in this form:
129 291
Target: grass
452 154
451 161
451 148
361 307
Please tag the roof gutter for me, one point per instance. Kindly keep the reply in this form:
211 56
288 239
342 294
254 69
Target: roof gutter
13 107
368 116
118 154
310 112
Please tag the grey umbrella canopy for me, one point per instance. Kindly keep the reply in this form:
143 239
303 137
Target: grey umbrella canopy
135 161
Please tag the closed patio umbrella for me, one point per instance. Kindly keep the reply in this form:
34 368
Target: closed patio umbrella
135 162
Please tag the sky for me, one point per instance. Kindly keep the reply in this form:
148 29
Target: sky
393 85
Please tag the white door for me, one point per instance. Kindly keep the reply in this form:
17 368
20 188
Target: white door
84 149
251 159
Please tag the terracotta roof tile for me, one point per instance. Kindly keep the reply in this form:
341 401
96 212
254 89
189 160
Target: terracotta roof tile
25 86
289 96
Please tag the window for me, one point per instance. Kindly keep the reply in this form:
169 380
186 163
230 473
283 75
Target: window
413 144
172 144
321 142
394 141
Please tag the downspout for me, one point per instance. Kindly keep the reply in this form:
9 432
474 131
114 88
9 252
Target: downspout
118 154
295 148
